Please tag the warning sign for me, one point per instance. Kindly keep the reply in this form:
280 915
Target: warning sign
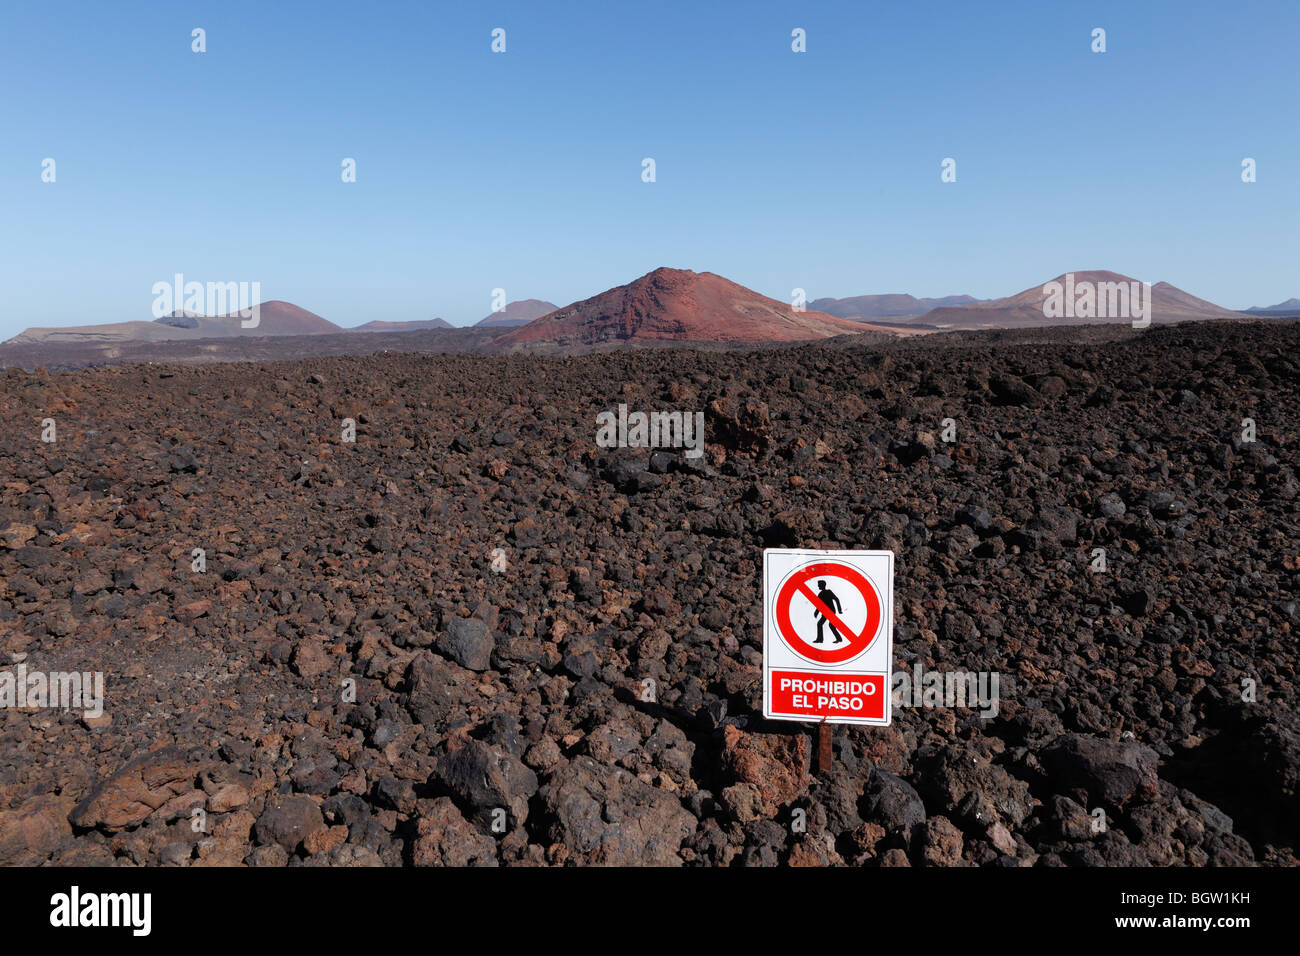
828 630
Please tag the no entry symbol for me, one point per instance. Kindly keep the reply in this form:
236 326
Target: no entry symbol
828 612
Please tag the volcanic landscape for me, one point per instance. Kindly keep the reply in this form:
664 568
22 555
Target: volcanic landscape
431 646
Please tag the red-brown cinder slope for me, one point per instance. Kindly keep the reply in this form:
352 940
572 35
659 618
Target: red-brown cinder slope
677 305
276 317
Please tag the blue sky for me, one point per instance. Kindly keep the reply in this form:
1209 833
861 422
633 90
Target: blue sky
522 170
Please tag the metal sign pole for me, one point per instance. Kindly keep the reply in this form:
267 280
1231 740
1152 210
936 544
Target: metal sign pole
822 751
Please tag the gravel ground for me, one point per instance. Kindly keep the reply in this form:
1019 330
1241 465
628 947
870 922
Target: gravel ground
475 637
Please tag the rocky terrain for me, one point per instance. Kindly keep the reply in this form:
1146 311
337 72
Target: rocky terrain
253 348
474 637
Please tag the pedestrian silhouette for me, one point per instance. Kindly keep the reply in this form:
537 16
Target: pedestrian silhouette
828 598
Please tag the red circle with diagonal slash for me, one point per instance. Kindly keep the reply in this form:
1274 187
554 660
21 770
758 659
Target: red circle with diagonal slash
855 643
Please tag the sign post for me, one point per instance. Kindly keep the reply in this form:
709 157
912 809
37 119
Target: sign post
824 753
828 627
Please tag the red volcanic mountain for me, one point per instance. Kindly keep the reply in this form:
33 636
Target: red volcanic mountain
676 305
274 318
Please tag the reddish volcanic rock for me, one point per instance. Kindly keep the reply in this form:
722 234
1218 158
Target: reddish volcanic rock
476 636
777 764
683 306
136 790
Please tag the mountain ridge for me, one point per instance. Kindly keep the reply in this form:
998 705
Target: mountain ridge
678 305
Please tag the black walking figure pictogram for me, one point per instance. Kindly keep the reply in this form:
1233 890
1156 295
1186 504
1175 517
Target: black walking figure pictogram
832 603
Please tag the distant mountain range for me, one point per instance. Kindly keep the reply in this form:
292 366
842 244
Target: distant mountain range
1289 307
1028 308
518 313
898 305
378 325
274 318
678 305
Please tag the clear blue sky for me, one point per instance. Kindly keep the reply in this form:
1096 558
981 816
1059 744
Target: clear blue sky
523 170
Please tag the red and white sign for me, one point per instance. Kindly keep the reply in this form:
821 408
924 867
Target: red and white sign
828 628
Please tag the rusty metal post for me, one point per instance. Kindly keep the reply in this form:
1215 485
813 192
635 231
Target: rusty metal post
822 752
